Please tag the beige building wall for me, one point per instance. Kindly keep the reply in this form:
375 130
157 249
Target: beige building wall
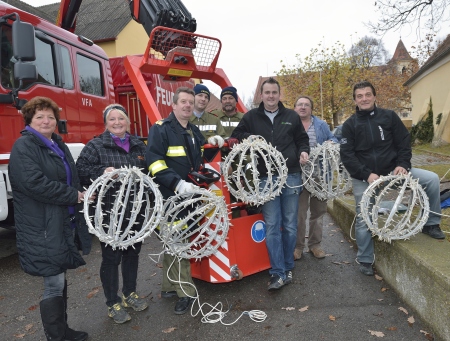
131 40
435 84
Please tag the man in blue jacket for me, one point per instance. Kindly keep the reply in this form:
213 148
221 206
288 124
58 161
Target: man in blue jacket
282 128
375 142
318 133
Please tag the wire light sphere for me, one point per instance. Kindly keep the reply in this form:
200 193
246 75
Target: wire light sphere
194 225
395 225
324 176
243 182
135 193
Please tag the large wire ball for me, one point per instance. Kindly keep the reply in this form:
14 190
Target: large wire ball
135 194
324 176
395 225
241 174
194 225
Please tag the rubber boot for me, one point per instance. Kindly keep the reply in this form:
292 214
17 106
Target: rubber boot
70 334
52 315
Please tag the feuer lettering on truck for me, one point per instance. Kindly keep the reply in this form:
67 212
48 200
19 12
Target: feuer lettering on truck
87 102
163 96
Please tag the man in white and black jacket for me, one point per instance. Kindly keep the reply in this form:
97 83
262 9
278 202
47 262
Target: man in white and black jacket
283 129
375 142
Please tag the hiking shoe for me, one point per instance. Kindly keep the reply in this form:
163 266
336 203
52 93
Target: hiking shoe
318 252
366 269
288 279
434 231
133 301
275 283
182 305
297 254
168 294
118 314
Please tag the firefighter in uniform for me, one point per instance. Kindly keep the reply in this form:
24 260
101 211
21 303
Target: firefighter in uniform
228 116
174 149
209 124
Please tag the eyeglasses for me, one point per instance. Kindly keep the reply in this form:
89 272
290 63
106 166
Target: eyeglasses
305 105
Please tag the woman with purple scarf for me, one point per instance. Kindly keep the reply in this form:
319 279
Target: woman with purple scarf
111 150
46 190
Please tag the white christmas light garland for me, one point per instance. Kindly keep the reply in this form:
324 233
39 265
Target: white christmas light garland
244 182
134 187
324 176
395 225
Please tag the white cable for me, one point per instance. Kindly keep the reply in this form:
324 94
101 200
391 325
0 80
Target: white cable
216 313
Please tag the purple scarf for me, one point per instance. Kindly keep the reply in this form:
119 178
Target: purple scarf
122 142
53 146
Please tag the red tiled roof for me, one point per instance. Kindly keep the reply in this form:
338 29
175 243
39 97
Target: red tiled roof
401 53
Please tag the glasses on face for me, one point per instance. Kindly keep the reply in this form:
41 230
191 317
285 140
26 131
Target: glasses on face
304 105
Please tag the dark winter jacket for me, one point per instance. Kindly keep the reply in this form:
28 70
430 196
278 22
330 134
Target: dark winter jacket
286 133
167 153
102 152
41 199
374 143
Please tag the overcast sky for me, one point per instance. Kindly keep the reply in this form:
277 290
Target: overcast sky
257 34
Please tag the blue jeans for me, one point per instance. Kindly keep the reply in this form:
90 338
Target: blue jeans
109 271
430 183
280 216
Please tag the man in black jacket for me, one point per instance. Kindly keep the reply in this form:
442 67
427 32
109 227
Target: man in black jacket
283 129
375 142
173 150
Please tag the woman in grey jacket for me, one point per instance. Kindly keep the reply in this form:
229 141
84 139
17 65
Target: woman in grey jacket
45 187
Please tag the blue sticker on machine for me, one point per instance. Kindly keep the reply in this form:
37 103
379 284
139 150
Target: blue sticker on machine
259 231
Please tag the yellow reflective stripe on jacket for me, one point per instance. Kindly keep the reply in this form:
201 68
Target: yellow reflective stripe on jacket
176 151
175 223
157 166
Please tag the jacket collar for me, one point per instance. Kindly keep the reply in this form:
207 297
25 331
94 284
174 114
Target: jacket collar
281 107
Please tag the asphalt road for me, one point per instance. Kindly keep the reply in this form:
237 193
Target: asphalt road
338 303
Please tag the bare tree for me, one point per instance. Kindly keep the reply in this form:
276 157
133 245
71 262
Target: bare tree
367 52
420 14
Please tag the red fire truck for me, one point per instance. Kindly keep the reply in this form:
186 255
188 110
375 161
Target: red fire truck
39 58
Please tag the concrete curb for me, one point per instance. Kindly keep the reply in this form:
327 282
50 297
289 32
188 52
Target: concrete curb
417 269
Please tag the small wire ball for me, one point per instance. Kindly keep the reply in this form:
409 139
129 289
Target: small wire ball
395 225
241 174
135 194
324 176
194 225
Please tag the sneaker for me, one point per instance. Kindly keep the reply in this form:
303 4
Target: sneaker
297 254
168 294
288 279
366 269
276 282
318 252
434 231
133 301
118 314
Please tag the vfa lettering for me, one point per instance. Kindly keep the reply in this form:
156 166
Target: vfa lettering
87 102
381 133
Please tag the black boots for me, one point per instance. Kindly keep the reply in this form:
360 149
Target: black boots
52 315
54 320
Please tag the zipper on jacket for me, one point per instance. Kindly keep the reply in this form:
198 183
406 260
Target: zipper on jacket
373 144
